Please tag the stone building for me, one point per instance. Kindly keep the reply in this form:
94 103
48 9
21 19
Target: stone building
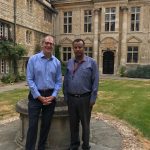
116 32
26 22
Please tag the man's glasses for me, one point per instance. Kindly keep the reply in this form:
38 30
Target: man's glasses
49 43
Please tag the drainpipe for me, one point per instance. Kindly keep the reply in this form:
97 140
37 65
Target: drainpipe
14 22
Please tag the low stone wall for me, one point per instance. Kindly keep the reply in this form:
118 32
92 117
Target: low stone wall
59 135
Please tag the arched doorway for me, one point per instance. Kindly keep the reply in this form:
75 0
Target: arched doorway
108 62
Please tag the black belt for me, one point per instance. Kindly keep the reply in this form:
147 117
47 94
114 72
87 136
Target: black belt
80 95
46 90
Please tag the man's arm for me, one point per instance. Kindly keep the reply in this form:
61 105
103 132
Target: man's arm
95 83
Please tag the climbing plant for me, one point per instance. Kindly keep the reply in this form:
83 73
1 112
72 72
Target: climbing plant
12 51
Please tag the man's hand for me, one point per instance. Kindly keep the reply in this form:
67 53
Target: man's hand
49 99
46 100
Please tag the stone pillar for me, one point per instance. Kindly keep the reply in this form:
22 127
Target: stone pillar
59 135
96 24
124 35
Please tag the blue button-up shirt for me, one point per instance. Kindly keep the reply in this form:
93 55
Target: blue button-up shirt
82 80
43 73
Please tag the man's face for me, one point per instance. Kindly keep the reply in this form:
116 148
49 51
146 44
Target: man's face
78 48
48 45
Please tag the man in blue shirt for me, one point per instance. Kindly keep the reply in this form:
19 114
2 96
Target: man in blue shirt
80 91
45 80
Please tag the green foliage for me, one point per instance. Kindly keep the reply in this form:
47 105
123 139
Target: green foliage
12 51
139 72
57 52
122 71
11 78
63 68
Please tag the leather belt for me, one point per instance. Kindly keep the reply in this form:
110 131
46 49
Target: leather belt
80 95
46 90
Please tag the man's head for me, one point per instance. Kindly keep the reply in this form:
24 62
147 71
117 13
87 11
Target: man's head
48 45
78 48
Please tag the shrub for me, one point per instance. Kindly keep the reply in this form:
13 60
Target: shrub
122 71
139 72
9 78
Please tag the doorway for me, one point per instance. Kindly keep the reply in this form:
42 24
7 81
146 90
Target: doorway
108 62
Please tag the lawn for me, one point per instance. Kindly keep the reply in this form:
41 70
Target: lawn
127 100
8 101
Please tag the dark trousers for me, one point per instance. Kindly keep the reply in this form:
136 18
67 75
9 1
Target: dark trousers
35 107
79 110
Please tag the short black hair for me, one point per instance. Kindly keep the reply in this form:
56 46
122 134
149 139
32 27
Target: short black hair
78 40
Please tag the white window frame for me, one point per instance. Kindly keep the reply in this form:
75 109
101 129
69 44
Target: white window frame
68 22
135 21
110 19
132 52
87 21
66 51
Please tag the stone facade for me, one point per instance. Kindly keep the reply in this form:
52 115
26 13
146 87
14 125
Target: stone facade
117 31
28 21
124 46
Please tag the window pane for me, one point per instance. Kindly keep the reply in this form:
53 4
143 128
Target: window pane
70 20
64 57
112 26
107 26
65 13
113 10
65 28
85 27
89 28
69 55
70 29
107 17
132 16
135 49
132 26
135 57
138 17
65 20
129 57
113 17
137 26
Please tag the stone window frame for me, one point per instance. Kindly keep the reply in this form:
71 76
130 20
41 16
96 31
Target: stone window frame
133 53
47 16
29 4
4 30
28 37
110 19
66 51
67 15
87 21
135 22
4 63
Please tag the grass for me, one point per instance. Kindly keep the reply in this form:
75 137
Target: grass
127 100
8 101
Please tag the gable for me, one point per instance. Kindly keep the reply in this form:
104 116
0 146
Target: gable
134 39
66 41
